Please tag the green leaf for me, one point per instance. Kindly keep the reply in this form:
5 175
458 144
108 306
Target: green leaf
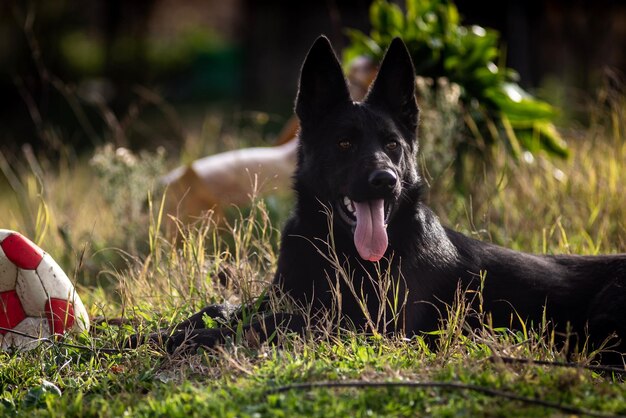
542 136
518 105
387 18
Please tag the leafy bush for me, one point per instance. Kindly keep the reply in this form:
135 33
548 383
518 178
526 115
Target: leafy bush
127 180
496 109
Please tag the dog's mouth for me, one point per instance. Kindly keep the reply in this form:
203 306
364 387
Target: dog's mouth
368 221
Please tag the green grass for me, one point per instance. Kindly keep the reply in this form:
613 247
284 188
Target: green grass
239 382
125 266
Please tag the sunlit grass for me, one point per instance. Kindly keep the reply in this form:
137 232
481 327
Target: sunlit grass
546 206
135 270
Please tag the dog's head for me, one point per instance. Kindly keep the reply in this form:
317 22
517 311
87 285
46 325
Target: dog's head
360 157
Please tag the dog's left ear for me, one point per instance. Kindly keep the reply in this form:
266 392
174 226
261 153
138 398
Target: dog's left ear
394 87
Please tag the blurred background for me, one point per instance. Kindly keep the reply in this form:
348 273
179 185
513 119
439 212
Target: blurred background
522 125
152 69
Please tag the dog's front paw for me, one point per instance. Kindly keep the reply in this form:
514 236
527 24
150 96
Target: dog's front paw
177 341
190 340
154 338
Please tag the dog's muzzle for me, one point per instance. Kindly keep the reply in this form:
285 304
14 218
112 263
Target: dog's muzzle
368 223
368 216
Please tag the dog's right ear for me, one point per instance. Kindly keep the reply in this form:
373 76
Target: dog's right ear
322 83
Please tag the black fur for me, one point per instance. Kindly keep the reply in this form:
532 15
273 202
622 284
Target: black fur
367 151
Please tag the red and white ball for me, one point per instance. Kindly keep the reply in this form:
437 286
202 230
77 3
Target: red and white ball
36 296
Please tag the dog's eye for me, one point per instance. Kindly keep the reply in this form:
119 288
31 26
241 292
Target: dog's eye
344 144
391 145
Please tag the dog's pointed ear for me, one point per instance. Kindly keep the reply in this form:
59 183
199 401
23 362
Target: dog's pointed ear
322 83
394 87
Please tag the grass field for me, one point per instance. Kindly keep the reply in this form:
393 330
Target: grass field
92 218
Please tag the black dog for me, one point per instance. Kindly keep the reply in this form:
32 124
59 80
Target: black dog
359 196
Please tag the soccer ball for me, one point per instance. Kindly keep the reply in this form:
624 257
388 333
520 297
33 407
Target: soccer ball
36 296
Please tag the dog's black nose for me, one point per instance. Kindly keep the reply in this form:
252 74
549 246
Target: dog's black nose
383 179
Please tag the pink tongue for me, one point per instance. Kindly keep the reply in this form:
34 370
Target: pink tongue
370 236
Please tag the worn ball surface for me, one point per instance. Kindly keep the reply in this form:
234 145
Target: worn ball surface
36 296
